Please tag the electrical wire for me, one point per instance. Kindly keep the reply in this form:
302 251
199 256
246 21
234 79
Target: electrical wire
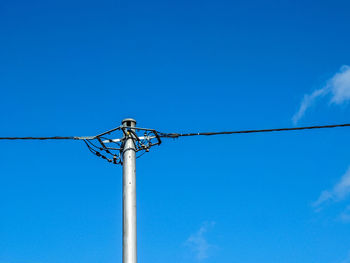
143 145
42 138
176 135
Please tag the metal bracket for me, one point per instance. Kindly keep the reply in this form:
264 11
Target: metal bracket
105 145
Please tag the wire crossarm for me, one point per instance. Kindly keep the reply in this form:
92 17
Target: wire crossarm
106 146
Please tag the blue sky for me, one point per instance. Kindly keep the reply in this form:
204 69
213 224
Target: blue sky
80 67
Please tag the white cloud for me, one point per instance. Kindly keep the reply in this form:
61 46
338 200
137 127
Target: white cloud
345 216
340 191
198 242
338 87
347 259
324 197
307 101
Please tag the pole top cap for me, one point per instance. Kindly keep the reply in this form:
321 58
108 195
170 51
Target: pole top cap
129 122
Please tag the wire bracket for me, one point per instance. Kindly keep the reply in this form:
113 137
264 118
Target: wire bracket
105 145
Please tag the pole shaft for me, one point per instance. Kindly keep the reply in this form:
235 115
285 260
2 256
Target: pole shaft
129 198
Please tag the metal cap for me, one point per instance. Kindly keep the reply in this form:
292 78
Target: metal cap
129 122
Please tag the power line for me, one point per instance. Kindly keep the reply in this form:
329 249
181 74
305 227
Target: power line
41 138
176 135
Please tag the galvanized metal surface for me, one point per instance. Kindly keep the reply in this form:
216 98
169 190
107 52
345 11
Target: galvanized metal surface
129 197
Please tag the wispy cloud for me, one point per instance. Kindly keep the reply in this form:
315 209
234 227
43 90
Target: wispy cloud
338 87
198 242
337 193
347 259
345 216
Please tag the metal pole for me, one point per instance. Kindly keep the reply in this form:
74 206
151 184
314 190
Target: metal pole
129 196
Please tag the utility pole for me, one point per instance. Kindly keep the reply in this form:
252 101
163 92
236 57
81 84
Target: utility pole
129 194
123 150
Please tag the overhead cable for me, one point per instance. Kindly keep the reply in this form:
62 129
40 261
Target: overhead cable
176 135
41 138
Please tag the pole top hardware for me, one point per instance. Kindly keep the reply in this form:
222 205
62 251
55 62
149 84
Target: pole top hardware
110 148
129 122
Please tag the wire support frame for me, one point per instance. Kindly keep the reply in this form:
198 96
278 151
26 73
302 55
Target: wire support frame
110 149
